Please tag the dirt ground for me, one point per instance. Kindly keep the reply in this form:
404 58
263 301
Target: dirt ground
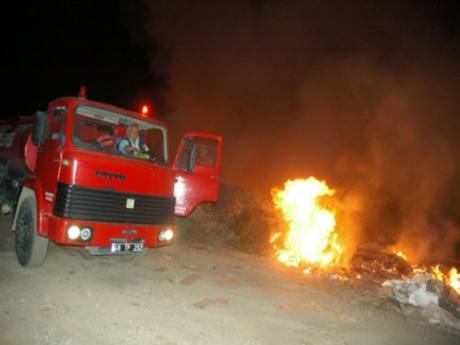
188 294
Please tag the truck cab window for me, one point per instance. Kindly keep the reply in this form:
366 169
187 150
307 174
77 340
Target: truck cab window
106 131
198 151
186 161
92 134
206 152
154 138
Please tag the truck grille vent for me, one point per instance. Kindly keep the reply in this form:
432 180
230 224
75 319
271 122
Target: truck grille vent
98 205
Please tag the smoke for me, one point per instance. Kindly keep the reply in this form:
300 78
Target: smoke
362 94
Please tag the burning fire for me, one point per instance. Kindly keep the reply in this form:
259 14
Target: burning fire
401 255
452 278
311 239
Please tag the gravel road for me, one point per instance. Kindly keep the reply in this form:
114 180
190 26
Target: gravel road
189 294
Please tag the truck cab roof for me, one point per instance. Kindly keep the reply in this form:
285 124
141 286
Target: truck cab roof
73 102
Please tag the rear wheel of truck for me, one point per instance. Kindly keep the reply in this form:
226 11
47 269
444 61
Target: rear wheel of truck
31 248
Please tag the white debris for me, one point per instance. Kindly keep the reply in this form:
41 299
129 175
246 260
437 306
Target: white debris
422 290
6 209
421 297
413 290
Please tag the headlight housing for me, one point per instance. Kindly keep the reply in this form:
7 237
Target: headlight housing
166 235
73 232
86 234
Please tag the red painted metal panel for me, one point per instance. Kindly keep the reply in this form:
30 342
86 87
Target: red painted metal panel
200 185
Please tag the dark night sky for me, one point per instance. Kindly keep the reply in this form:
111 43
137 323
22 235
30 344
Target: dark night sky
50 48
361 93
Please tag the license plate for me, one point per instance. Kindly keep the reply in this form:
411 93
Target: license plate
127 247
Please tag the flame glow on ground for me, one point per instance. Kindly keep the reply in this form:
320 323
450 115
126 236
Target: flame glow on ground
311 239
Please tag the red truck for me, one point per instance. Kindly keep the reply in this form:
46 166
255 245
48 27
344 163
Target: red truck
77 188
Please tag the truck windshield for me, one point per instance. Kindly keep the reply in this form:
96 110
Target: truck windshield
106 131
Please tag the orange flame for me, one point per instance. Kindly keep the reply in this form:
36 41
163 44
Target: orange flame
311 238
311 241
437 273
401 255
452 278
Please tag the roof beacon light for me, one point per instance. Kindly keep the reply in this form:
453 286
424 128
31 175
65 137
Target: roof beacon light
145 110
82 92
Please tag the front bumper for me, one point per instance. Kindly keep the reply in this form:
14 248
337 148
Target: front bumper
106 233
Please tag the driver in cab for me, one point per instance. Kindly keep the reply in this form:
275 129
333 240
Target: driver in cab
132 144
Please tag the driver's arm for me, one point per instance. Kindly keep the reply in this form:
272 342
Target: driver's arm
124 147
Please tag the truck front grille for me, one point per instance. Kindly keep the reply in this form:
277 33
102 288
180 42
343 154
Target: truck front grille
76 202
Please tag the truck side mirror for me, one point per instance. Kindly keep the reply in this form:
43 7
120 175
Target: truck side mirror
40 128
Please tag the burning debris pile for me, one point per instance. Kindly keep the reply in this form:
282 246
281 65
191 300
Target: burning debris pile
438 293
419 290
309 240
439 300
379 266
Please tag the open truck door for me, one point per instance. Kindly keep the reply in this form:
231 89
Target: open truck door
198 166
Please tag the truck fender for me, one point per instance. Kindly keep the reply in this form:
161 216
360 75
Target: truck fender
25 193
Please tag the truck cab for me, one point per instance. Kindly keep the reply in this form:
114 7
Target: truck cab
82 189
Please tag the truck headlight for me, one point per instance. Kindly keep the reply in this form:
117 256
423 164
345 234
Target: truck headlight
166 235
73 232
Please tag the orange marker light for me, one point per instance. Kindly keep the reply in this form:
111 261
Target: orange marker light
145 110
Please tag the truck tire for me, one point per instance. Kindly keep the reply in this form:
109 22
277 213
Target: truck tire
31 248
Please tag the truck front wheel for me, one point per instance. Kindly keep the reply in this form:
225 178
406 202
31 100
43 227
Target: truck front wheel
31 248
